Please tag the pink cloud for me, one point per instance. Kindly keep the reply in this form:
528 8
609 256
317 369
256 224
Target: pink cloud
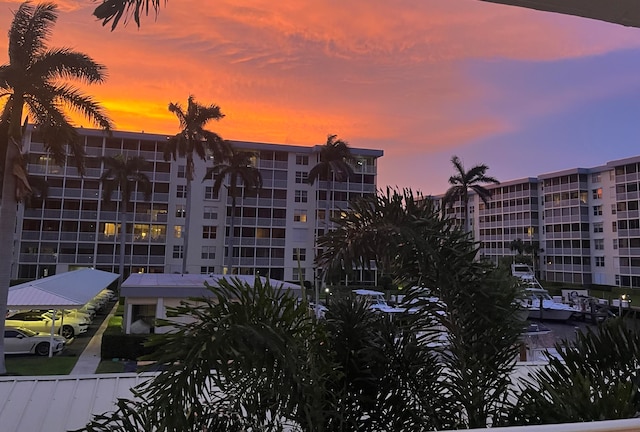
374 72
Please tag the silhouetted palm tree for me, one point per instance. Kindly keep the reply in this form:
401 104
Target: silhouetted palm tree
125 175
32 82
463 181
194 138
334 164
239 170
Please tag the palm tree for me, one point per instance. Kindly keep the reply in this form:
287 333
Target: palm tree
517 246
124 174
334 164
194 138
464 180
237 168
32 81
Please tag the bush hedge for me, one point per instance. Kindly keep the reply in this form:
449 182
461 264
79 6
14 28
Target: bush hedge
116 344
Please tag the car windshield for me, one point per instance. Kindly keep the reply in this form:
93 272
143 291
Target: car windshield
28 332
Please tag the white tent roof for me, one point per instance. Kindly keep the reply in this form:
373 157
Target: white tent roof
186 285
63 290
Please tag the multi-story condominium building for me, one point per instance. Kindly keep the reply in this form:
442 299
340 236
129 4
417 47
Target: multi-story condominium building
275 228
586 222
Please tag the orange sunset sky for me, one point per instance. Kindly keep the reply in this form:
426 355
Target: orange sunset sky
525 92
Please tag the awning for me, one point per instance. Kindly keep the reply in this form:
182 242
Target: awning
64 290
624 12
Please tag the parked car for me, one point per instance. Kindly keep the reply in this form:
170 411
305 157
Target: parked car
41 322
19 340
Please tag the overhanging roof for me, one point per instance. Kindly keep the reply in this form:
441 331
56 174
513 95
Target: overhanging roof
185 285
623 12
63 290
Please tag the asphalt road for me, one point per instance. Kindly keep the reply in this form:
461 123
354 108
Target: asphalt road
78 344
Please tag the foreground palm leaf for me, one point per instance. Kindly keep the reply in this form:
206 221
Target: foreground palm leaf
239 355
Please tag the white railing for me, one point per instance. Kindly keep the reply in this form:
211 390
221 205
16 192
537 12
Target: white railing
626 425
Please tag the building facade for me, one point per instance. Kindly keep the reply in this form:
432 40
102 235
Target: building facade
275 228
583 222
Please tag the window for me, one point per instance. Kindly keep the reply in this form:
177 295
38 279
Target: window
208 252
599 261
178 251
613 208
598 227
210 213
302 160
614 226
301 196
177 231
598 244
302 177
298 274
596 178
181 191
182 170
597 193
209 193
299 254
615 243
180 211
209 232
207 270
299 215
597 210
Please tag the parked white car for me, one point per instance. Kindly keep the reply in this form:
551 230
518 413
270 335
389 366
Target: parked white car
18 340
41 322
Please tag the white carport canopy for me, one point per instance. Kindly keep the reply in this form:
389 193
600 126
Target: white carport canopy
64 290
61 291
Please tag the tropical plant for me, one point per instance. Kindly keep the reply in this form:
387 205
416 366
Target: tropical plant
534 250
238 169
334 163
124 174
462 181
243 360
194 138
403 234
483 327
33 80
414 243
596 377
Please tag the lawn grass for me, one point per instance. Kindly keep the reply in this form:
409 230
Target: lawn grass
38 366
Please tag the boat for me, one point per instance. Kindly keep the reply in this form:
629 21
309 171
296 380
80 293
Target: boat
377 302
537 300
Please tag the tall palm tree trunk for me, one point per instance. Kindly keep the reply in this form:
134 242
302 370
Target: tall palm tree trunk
327 221
185 234
232 226
8 213
123 239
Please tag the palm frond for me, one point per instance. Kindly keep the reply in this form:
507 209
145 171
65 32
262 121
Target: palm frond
112 11
63 63
30 29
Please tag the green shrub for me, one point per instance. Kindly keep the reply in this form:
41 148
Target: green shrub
115 344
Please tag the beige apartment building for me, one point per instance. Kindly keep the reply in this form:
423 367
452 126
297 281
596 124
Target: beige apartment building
586 222
275 229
